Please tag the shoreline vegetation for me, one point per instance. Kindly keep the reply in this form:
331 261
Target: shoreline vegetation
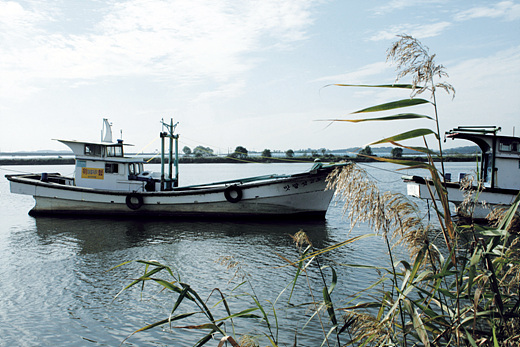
43 160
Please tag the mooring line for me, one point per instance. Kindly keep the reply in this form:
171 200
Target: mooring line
16 171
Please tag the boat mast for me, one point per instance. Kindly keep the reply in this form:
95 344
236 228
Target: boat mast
168 183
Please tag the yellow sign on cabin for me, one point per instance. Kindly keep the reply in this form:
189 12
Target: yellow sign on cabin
97 174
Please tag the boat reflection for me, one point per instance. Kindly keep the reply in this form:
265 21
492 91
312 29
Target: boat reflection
102 235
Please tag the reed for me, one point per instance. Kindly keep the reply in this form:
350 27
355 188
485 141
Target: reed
468 296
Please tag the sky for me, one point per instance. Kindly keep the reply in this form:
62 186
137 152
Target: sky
251 73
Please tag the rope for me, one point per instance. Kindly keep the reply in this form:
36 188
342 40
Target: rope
145 147
378 168
271 158
16 171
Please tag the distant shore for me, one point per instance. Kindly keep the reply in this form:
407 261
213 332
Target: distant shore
225 160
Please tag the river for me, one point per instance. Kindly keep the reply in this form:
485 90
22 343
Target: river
56 289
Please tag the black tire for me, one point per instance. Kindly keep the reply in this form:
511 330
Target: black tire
130 198
233 194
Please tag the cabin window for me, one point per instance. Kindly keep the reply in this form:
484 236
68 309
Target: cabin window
114 151
505 147
111 168
514 147
93 150
135 168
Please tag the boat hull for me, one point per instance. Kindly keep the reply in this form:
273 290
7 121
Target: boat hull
488 199
301 195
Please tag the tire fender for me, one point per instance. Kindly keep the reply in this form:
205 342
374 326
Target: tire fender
130 201
233 193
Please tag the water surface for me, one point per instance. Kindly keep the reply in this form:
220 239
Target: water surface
56 289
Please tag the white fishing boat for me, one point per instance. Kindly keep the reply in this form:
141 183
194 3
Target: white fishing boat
499 172
106 182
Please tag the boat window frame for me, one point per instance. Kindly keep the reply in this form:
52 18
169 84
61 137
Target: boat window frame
114 151
135 169
504 147
509 145
112 168
93 150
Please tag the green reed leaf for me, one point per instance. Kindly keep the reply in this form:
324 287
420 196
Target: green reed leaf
400 116
406 136
417 149
328 303
393 105
504 224
417 322
243 314
396 86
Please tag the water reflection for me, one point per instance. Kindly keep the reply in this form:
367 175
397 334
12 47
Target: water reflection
101 235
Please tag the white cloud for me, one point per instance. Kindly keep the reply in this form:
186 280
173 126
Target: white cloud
393 5
504 9
487 90
502 66
417 31
182 40
360 76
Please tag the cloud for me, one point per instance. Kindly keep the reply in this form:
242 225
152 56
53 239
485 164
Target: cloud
508 10
487 89
501 68
359 76
394 5
185 41
417 31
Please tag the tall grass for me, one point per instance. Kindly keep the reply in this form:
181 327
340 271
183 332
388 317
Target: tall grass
469 296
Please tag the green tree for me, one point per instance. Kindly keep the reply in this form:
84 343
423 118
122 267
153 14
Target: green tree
240 152
366 151
289 153
201 151
187 151
397 152
266 153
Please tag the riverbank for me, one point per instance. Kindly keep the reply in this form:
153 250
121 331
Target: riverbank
228 160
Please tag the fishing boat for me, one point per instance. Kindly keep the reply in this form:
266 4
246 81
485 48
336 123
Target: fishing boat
108 183
498 170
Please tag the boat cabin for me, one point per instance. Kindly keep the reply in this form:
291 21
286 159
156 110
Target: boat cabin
500 162
104 166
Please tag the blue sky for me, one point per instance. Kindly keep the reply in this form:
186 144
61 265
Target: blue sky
248 73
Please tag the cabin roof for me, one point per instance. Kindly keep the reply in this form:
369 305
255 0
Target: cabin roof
482 136
94 142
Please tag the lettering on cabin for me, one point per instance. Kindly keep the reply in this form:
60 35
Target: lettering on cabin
92 173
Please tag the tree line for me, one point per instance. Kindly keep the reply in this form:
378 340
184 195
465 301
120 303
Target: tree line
242 153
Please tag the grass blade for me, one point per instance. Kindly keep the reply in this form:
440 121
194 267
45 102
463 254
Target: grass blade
397 85
393 105
406 135
401 116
